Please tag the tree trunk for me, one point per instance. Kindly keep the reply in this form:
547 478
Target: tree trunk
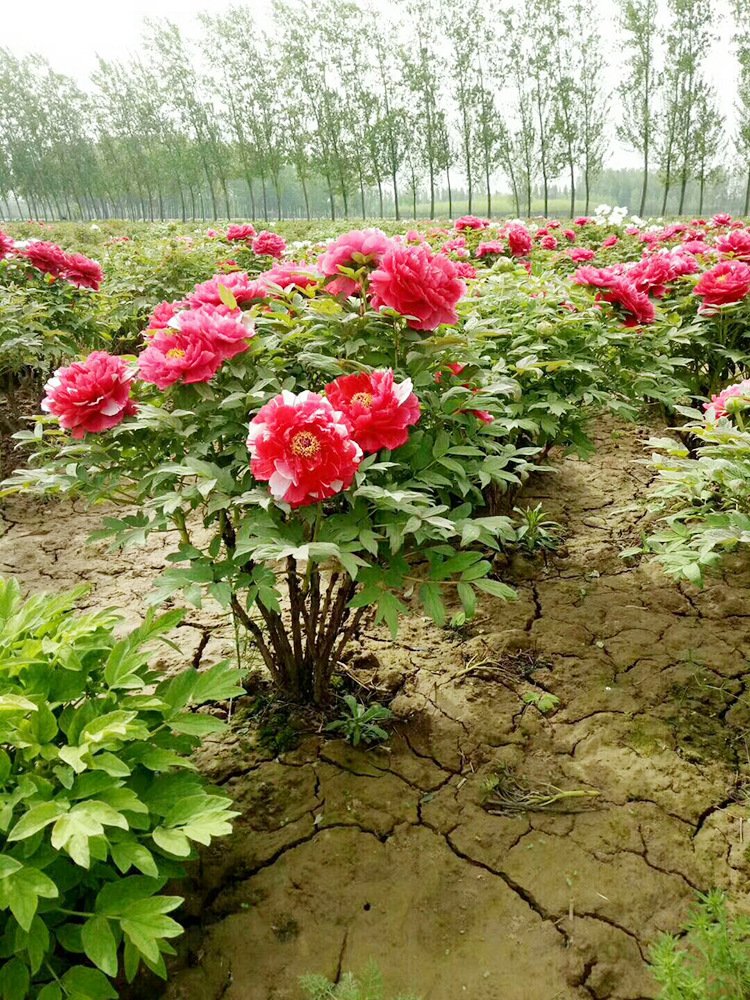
645 184
432 189
450 192
572 188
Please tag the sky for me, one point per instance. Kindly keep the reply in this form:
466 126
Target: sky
71 35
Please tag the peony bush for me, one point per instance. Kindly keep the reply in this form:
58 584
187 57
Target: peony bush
314 468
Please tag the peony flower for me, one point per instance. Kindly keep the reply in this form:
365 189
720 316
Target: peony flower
303 448
48 258
414 237
611 241
624 293
489 248
241 285
290 275
244 233
82 272
569 234
90 396
548 243
268 244
581 254
419 284
734 244
356 249
554 224
212 233
718 405
582 220
464 269
724 284
379 411
695 247
194 345
519 240
632 231
470 222
163 313
6 244
721 219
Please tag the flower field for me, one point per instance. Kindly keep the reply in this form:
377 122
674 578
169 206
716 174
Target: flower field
429 553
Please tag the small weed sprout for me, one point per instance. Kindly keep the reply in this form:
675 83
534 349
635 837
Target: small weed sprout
542 700
358 722
711 961
367 986
537 532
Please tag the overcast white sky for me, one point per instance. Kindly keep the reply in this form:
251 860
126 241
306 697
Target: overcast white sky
71 34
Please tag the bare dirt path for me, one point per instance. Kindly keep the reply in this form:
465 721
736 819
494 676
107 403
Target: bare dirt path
342 855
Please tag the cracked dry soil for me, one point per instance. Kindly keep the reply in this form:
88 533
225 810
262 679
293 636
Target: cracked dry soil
340 855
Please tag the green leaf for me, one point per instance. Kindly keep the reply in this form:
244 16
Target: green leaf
172 841
115 897
389 608
130 854
196 725
429 594
8 865
468 599
36 819
100 945
49 992
89 983
497 589
145 923
14 980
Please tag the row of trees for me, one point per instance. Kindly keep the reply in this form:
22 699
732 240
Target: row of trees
336 110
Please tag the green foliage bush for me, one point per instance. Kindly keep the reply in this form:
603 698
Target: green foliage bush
367 986
99 801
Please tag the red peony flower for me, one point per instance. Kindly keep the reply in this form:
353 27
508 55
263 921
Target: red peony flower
90 396
417 283
554 224
470 222
241 285
82 272
548 243
718 405
379 410
611 241
519 240
695 247
569 234
724 284
356 249
243 233
599 277
582 220
194 345
6 244
303 448
48 258
735 244
489 248
581 254
268 244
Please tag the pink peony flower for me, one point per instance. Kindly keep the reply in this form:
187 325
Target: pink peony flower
581 254
470 222
212 233
611 241
290 275
379 411
194 345
241 285
303 448
163 313
721 219
582 220
268 244
244 233
554 224
519 240
718 405
695 247
632 231
542 232
48 258
414 237
569 234
419 284
82 272
548 243
734 244
725 284
6 244
637 304
599 277
464 269
90 396
356 249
